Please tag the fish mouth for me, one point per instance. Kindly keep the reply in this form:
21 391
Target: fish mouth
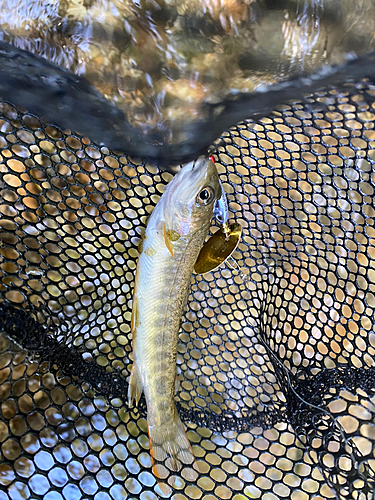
199 163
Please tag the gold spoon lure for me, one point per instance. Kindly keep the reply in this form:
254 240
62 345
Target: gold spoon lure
223 243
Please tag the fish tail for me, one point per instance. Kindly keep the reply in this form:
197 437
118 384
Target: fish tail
135 385
170 445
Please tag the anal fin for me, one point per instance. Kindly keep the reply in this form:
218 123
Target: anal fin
135 386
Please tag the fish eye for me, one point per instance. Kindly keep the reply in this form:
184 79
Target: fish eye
205 196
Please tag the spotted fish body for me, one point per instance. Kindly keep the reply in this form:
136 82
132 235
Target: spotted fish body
175 233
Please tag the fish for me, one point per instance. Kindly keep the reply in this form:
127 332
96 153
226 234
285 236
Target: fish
174 235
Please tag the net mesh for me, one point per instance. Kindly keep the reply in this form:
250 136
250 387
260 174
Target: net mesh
276 352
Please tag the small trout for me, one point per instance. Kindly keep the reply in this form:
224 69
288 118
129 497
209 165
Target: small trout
175 233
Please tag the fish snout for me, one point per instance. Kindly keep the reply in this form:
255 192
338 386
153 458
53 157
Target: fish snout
199 164
204 171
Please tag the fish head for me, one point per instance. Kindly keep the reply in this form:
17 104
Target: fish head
190 198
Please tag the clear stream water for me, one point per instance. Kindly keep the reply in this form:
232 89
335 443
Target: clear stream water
160 62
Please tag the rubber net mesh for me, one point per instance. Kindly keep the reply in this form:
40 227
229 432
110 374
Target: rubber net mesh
276 352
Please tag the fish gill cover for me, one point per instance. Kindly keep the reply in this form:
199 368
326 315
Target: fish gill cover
276 360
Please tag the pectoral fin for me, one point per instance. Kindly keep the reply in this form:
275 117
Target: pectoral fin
135 386
170 236
167 240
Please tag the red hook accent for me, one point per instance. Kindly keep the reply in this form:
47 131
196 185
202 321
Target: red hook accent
212 158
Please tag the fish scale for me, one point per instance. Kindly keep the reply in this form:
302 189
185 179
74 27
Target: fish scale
175 233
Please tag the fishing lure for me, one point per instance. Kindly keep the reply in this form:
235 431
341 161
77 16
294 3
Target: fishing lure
223 243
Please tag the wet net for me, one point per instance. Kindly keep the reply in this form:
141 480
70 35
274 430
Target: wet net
276 352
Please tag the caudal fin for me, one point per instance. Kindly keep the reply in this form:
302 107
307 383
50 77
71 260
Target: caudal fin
169 445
